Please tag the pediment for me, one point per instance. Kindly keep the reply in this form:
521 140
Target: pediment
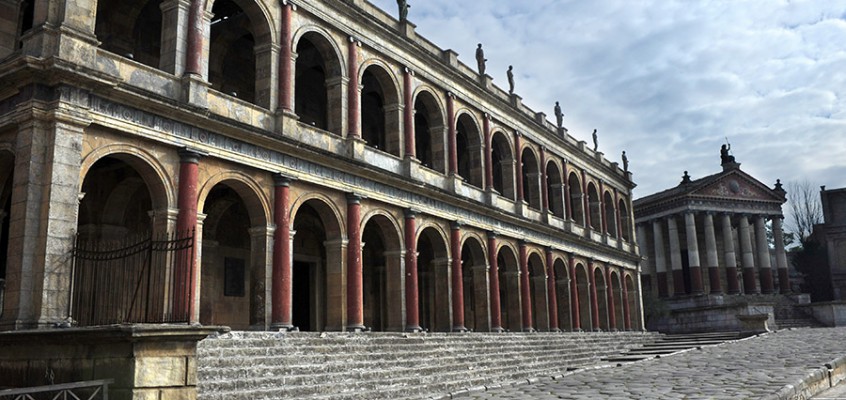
738 187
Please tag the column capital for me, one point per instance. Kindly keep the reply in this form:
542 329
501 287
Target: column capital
487 116
410 213
280 179
455 225
450 95
354 198
191 155
492 234
549 249
517 133
408 70
353 40
289 3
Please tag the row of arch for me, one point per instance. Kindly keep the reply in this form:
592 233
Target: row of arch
237 236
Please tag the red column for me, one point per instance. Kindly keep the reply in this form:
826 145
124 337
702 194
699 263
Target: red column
594 301
551 292
408 114
355 294
585 199
486 126
186 222
525 292
457 279
574 295
496 310
353 95
281 314
194 54
609 291
569 211
518 143
544 183
453 151
627 313
285 61
412 308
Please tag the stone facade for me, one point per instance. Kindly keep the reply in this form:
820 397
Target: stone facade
832 236
341 172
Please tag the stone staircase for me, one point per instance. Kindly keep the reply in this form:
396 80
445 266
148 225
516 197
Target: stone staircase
669 344
789 314
264 365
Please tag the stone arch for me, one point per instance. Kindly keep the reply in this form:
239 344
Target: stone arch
538 290
382 271
632 300
583 285
469 147
601 297
509 287
502 158
17 19
154 174
531 177
624 220
555 189
610 214
562 291
617 297
318 79
380 107
250 191
433 282
132 29
241 54
474 274
430 130
574 189
595 207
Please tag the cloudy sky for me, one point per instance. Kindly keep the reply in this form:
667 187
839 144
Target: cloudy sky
669 80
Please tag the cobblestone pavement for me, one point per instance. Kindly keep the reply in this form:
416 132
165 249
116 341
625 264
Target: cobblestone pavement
747 369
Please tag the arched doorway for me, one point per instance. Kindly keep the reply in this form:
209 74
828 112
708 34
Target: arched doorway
577 209
380 113
601 298
555 190
562 290
509 289
132 29
595 208
617 296
381 275
429 132
625 221
610 215
531 179
317 83
583 284
537 288
469 149
502 158
632 299
433 281
474 273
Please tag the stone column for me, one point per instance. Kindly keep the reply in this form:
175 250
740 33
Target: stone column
486 127
568 213
602 217
544 192
453 131
660 259
675 257
711 255
518 170
286 59
586 201
186 222
594 299
457 279
765 266
574 295
525 288
496 308
693 253
355 293
612 309
618 214
175 16
408 114
730 257
627 313
353 91
748 260
552 296
282 256
196 37
781 257
412 307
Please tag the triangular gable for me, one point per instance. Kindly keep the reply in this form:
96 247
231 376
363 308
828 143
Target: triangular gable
737 185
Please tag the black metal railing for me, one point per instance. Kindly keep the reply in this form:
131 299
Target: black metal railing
88 390
136 280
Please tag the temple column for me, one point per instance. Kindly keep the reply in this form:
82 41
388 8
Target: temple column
457 279
551 293
353 91
693 253
781 257
355 290
609 291
594 300
525 288
496 308
711 255
574 295
730 256
412 307
765 266
408 114
660 259
186 223
518 170
748 259
194 53
452 132
282 256
675 257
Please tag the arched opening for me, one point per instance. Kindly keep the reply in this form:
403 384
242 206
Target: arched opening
433 281
537 288
232 58
562 291
610 215
595 208
509 289
531 179
317 83
429 133
601 298
625 221
7 165
617 296
116 203
382 275
555 190
380 113
632 299
16 18
469 149
317 281
474 273
583 284
502 158
132 29
577 210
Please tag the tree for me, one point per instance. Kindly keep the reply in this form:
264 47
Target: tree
805 209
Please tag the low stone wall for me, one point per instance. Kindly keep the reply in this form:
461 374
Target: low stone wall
145 361
711 313
829 313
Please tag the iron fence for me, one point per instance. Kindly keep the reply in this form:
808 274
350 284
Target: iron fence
140 279
88 390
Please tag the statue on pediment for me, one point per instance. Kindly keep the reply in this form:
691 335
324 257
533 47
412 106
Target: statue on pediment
403 10
725 157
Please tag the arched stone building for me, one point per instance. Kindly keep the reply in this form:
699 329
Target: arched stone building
339 172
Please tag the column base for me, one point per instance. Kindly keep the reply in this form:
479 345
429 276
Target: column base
555 330
413 329
766 275
355 328
749 284
678 283
460 329
195 91
696 281
662 285
283 327
529 330
783 281
714 280
498 329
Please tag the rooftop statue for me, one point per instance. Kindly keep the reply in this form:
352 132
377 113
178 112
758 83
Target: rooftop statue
725 157
595 141
559 116
510 73
480 59
403 10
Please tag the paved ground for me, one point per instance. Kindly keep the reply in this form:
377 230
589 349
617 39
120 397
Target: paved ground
835 393
747 369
